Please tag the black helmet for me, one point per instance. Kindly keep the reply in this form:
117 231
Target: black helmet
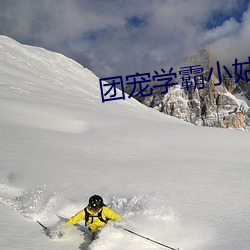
95 202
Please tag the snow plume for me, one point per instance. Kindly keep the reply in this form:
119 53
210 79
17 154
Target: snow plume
147 215
33 204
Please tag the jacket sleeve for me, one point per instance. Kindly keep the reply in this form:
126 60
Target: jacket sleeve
77 217
110 214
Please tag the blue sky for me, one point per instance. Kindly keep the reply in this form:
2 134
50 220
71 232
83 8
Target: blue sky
218 17
122 37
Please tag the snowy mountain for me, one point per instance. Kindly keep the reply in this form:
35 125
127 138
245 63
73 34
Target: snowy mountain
182 185
224 106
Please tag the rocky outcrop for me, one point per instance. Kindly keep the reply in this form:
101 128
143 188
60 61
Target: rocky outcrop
213 106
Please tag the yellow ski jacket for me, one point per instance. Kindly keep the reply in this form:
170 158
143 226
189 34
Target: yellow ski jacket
94 223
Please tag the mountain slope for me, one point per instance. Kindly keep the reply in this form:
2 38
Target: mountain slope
182 185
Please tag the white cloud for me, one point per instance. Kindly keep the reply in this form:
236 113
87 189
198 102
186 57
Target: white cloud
235 44
228 28
98 34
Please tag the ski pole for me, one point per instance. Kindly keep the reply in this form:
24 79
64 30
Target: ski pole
45 228
146 238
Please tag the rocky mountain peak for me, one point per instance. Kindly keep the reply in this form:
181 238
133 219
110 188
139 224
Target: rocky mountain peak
213 106
202 57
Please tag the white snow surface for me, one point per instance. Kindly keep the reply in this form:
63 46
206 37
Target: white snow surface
182 185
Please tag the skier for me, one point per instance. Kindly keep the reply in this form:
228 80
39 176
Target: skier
95 214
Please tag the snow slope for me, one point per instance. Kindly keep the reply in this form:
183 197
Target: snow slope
176 183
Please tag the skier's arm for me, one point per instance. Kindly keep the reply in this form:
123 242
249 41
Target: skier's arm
77 217
110 214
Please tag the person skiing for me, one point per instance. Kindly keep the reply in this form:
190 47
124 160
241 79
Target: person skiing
95 214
